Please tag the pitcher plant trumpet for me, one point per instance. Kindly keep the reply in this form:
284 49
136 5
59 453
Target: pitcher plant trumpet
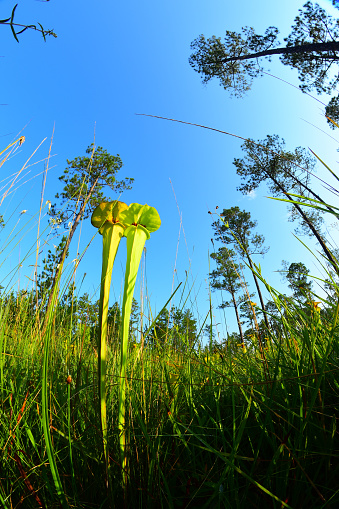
140 221
106 217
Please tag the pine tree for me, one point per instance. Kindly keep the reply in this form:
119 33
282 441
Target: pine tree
237 229
312 48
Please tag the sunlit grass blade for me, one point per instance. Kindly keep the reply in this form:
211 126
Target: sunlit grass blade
45 407
323 163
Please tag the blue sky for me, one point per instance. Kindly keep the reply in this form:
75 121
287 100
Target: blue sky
113 60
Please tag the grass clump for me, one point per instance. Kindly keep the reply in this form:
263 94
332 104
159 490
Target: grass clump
205 427
232 424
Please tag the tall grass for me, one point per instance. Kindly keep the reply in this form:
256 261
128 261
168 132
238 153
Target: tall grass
206 426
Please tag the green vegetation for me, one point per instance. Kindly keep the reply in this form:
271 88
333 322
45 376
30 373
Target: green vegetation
240 421
119 406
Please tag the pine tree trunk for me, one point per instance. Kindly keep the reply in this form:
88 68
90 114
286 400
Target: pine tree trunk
310 225
300 48
262 305
238 318
64 253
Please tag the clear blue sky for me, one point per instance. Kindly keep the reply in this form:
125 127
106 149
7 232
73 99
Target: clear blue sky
112 60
